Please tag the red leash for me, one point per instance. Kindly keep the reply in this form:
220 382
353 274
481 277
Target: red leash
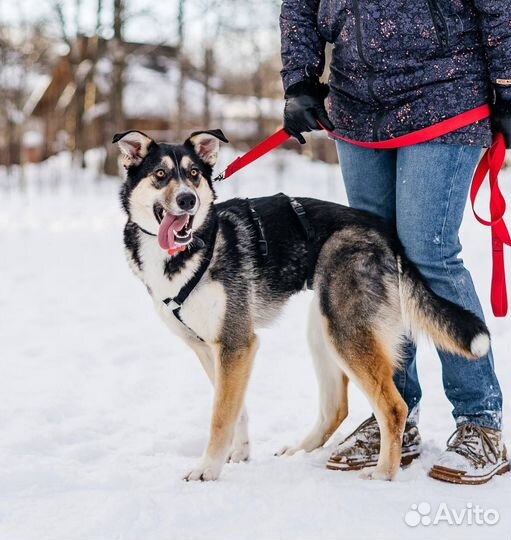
425 134
491 162
269 144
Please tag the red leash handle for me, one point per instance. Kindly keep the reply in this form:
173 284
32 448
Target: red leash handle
492 163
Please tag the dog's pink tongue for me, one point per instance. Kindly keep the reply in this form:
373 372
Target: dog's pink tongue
168 227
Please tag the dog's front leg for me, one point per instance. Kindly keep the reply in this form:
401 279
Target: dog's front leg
240 450
232 371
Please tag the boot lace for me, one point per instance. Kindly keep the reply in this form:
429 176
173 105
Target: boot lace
474 443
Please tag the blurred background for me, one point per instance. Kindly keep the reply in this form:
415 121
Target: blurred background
73 72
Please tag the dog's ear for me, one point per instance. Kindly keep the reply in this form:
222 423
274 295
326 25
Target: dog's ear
206 144
134 146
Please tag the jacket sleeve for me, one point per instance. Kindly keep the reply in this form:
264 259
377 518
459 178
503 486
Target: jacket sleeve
302 47
495 21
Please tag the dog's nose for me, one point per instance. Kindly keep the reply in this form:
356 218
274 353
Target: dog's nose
186 201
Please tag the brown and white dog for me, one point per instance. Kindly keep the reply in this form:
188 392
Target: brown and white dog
236 263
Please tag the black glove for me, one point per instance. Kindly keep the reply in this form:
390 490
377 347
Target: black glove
304 106
501 117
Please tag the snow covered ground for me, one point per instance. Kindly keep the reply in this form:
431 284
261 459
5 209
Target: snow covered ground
102 410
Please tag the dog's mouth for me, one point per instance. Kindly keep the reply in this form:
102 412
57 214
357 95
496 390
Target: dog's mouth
175 231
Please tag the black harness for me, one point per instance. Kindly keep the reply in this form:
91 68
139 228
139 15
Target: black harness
308 230
258 224
177 302
310 240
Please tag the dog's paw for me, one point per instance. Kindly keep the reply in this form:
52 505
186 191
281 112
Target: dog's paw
376 474
239 453
205 472
288 451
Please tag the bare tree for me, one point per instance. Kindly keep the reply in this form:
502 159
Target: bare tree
180 91
209 70
80 69
23 51
116 119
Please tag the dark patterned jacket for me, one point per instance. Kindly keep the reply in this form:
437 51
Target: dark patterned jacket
400 65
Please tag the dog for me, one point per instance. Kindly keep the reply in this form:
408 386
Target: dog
217 272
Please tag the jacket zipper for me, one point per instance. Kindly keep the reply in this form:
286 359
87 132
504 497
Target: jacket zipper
370 70
440 25
380 115
358 31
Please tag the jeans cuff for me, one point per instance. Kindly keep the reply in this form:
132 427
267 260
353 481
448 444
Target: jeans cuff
489 419
413 415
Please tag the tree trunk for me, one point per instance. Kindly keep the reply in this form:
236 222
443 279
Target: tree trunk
180 119
79 128
208 72
116 119
259 92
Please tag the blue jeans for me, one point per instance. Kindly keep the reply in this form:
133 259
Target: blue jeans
422 190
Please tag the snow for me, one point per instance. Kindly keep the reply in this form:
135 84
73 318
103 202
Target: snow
102 410
32 139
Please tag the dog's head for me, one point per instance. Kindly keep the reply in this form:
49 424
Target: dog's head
168 189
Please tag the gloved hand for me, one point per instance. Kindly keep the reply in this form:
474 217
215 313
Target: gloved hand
304 106
501 117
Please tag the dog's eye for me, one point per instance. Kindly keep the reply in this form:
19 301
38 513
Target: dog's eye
160 173
194 172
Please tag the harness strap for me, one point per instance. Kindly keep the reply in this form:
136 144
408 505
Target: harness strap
176 303
258 224
310 244
144 231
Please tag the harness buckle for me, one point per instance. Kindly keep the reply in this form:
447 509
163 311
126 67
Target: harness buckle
263 247
172 303
297 207
261 238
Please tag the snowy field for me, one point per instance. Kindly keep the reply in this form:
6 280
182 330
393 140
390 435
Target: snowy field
102 410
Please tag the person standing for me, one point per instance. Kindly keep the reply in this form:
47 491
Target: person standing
399 66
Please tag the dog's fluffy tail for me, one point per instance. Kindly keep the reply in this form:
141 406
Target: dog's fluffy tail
451 327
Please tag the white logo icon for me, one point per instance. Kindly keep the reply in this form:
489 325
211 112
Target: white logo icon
418 513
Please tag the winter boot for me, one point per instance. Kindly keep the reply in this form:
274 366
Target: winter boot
362 448
474 455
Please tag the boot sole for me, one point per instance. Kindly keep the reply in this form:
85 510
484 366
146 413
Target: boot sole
454 476
338 466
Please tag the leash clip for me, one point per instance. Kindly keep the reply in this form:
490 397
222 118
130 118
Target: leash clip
220 177
297 207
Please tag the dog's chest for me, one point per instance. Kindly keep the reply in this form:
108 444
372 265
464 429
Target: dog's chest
204 309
